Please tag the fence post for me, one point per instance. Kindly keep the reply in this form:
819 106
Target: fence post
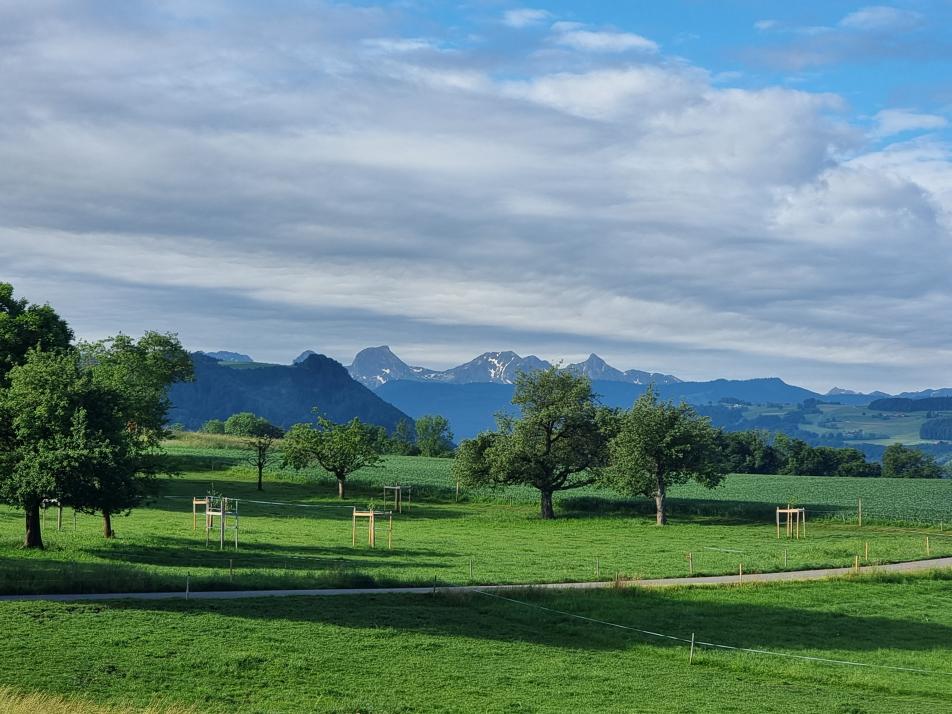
859 512
691 656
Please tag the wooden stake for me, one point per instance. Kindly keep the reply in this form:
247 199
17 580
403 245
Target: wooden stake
740 572
231 569
856 563
186 585
927 546
690 559
457 489
691 656
866 551
470 567
859 512
59 518
390 533
785 557
597 571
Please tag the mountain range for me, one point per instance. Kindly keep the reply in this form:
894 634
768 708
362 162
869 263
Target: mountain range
381 388
376 366
282 394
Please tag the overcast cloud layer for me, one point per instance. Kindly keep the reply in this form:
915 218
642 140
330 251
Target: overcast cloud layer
269 178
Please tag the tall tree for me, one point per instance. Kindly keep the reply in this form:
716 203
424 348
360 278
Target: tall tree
659 444
557 443
260 435
433 435
402 440
25 326
339 449
138 374
59 431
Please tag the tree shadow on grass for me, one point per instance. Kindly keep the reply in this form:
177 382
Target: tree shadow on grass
713 511
727 621
289 500
170 551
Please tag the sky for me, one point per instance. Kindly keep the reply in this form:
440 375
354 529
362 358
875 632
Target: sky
708 189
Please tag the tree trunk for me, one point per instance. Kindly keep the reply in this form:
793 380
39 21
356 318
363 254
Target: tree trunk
548 513
107 524
661 503
260 469
340 486
33 538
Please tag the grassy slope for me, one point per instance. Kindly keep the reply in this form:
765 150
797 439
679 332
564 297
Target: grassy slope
474 653
439 539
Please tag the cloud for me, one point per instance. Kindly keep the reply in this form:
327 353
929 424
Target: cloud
269 181
525 17
574 35
400 44
871 33
878 18
897 121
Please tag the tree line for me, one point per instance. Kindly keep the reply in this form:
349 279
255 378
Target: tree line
564 439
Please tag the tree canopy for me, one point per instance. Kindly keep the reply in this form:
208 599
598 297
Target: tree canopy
660 444
902 462
433 435
339 449
557 443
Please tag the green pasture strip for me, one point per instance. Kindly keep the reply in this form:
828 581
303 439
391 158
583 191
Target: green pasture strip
307 542
473 653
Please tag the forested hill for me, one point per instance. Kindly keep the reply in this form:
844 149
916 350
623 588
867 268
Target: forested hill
899 404
283 394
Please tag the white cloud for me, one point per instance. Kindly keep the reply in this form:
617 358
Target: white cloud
400 44
572 35
875 18
896 121
525 17
765 25
342 196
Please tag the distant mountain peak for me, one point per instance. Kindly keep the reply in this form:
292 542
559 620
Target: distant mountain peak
225 356
837 391
303 356
375 366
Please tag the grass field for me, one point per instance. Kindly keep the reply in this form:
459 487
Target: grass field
477 653
482 539
380 653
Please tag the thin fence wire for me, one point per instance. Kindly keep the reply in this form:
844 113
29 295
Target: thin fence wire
714 645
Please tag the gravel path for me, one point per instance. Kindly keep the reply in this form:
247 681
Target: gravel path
908 567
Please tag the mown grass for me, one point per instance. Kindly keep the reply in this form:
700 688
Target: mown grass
475 541
470 653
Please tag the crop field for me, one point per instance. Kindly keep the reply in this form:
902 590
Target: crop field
469 653
296 533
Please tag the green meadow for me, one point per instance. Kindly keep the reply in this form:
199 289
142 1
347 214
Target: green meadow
468 653
297 533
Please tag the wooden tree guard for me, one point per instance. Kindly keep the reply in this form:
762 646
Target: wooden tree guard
222 507
398 493
795 520
371 517
203 502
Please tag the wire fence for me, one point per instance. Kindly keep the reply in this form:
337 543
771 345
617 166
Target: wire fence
693 642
